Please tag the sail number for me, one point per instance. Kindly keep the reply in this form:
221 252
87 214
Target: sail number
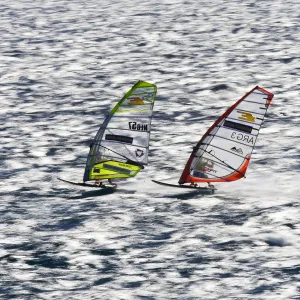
242 137
137 126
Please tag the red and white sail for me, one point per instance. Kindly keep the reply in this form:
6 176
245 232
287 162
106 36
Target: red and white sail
224 152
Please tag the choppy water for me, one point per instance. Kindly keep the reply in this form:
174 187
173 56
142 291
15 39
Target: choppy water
63 65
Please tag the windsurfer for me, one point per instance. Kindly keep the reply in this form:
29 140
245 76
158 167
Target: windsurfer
113 184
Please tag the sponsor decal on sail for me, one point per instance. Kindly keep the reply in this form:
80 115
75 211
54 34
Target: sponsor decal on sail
237 150
116 168
237 126
119 138
139 153
135 101
245 116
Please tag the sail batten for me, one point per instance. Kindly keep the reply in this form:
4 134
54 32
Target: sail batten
224 152
123 138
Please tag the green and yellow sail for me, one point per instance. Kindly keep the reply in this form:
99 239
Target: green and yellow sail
121 145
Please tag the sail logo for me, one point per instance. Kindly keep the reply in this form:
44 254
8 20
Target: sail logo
135 101
237 126
137 126
245 116
119 138
243 138
237 150
139 153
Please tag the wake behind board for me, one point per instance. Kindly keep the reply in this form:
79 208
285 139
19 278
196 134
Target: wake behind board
210 190
87 184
